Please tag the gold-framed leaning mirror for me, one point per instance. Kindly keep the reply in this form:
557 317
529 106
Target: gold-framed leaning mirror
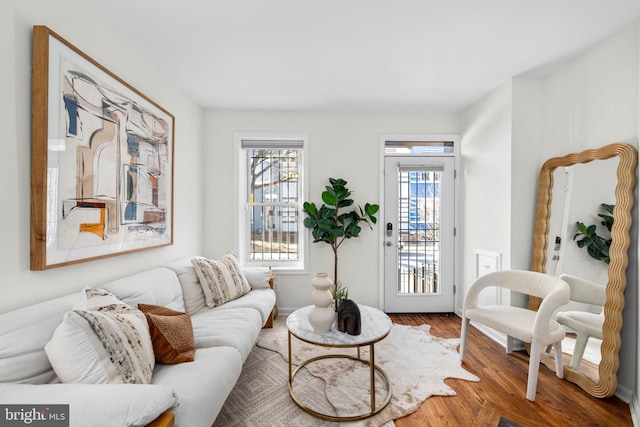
593 187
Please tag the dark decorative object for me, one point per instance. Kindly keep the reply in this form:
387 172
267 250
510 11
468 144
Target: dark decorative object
349 317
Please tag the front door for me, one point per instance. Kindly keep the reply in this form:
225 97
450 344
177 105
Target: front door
419 234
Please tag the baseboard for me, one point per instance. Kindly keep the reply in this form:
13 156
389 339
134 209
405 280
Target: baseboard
624 394
498 337
635 411
286 310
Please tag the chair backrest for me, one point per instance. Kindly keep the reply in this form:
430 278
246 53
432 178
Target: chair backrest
585 291
527 282
553 291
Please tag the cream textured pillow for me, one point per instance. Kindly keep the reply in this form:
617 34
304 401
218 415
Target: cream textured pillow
102 340
222 280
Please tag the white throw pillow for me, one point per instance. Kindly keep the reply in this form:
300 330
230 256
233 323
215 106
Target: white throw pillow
102 340
221 280
258 277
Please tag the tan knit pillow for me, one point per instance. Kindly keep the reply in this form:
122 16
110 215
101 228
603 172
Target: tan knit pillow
221 280
171 334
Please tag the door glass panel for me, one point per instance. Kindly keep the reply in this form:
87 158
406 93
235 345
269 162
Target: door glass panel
418 231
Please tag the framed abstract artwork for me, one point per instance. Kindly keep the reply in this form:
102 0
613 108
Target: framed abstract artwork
101 160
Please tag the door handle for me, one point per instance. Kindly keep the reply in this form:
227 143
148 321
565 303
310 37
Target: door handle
389 243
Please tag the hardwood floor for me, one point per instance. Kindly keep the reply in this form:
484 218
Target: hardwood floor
502 388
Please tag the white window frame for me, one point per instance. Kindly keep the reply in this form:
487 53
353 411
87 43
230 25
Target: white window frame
241 223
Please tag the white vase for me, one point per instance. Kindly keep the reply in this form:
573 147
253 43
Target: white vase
322 315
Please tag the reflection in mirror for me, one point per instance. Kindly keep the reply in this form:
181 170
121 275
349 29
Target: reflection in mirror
577 194
572 189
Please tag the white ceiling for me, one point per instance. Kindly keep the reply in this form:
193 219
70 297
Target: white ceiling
359 55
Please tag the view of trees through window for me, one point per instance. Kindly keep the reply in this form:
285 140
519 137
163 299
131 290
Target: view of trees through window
273 203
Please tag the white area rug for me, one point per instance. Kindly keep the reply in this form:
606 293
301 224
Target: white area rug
416 363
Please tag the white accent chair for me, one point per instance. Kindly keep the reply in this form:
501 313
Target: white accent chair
535 327
584 324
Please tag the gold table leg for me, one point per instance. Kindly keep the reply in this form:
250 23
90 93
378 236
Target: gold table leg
372 370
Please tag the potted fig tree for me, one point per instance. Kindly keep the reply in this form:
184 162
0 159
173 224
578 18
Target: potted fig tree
337 220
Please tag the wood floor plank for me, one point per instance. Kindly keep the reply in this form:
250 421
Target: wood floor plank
502 388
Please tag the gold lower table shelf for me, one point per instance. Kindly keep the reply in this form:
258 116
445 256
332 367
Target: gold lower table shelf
372 372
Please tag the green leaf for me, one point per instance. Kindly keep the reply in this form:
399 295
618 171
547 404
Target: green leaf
342 193
371 209
326 212
584 242
608 208
345 203
310 208
338 181
329 198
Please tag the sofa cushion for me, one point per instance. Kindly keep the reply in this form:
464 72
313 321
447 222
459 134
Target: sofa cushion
102 340
261 300
237 328
171 334
221 280
191 288
97 405
24 360
158 286
258 277
202 385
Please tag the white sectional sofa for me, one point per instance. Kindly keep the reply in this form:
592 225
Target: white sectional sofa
193 391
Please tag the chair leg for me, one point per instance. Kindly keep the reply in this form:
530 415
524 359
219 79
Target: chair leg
534 367
578 351
558 358
510 342
463 337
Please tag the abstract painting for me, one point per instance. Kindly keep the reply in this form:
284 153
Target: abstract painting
102 160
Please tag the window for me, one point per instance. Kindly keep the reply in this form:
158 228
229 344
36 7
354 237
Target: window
271 194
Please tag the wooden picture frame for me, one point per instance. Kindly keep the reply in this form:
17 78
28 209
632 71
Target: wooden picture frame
101 160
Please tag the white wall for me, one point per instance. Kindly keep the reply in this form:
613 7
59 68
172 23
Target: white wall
79 23
587 103
590 102
340 145
486 181
526 133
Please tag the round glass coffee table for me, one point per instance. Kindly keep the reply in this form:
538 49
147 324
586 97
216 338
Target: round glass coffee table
375 326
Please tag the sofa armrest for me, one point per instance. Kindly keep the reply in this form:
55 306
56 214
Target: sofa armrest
166 419
274 312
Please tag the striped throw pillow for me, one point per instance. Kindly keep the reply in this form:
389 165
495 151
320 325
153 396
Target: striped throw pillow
221 280
102 341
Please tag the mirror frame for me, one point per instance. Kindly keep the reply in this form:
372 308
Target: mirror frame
618 253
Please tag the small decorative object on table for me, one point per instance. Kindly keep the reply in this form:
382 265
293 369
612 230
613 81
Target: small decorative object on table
349 317
339 293
322 314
